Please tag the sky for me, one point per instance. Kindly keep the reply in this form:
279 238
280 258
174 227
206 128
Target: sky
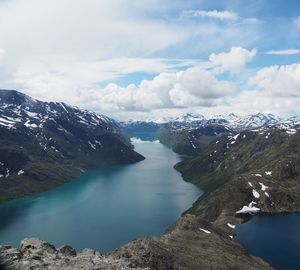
146 59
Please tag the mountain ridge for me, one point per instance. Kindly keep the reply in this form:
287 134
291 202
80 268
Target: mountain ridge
45 144
231 120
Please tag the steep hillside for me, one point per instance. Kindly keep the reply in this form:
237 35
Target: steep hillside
252 172
44 144
190 141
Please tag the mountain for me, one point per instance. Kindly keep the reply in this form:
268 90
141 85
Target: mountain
246 173
232 121
44 144
189 118
190 141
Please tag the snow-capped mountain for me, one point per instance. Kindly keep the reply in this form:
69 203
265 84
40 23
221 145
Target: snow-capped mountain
246 122
231 121
189 118
49 143
17 109
234 121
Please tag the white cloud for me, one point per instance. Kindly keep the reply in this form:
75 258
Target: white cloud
68 50
65 80
215 14
193 87
297 22
284 52
279 81
233 61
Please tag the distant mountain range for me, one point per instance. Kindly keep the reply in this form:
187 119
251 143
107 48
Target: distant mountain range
232 121
44 144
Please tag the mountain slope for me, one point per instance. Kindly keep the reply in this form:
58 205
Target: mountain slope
190 141
44 144
248 173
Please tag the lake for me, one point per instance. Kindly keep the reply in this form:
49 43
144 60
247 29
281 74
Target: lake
276 239
105 208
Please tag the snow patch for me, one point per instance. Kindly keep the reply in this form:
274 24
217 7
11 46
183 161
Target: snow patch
20 172
250 209
92 145
206 231
291 131
231 225
255 194
236 136
263 187
193 144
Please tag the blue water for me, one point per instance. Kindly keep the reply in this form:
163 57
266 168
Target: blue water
276 239
104 209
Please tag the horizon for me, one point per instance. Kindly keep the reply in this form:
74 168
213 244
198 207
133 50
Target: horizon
166 119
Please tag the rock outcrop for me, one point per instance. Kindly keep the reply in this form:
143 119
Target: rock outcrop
40 255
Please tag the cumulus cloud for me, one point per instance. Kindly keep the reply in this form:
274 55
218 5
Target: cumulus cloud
233 61
283 52
215 14
66 50
192 87
279 81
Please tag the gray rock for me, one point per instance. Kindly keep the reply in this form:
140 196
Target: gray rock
67 250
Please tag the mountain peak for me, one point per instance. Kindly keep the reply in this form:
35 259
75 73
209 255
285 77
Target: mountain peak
14 97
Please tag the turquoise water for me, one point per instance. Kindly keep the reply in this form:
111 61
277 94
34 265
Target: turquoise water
106 208
276 239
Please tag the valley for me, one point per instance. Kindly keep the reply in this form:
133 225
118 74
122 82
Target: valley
234 168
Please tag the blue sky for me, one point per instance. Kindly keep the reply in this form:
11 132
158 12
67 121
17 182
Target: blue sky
147 58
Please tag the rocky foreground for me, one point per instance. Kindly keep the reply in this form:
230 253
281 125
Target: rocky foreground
187 245
37 254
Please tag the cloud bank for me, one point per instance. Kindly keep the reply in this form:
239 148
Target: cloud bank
151 57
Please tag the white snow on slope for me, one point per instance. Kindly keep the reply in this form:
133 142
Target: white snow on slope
20 172
206 231
230 225
250 209
263 187
255 194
